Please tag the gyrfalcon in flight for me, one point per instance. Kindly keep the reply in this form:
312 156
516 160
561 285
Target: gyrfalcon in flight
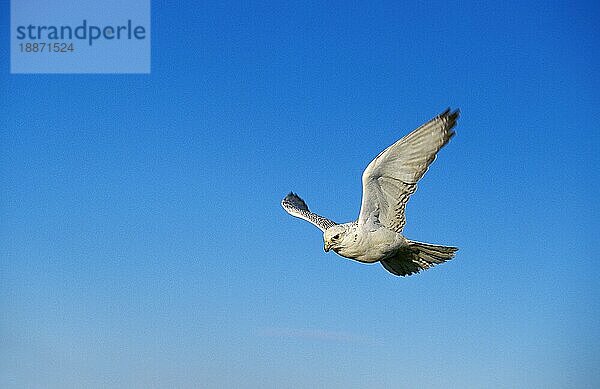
387 183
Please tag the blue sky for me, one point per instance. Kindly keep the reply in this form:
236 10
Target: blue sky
143 244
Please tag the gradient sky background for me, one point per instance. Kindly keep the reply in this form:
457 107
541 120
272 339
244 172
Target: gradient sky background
143 245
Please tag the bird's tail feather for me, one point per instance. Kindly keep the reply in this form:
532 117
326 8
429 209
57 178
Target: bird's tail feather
431 254
418 256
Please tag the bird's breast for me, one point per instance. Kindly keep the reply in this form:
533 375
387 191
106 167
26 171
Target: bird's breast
371 246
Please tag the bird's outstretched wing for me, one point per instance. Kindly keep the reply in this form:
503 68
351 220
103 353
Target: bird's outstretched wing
295 206
392 176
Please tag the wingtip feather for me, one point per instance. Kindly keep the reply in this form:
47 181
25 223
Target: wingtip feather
293 200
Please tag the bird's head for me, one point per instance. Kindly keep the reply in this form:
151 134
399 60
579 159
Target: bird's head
333 237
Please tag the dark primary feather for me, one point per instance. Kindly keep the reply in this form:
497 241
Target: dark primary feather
293 200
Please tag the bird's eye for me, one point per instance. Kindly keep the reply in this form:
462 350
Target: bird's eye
336 236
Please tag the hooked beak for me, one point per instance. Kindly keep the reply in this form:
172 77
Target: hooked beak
326 247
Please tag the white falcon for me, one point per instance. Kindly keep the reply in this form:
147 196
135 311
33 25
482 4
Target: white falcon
387 183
